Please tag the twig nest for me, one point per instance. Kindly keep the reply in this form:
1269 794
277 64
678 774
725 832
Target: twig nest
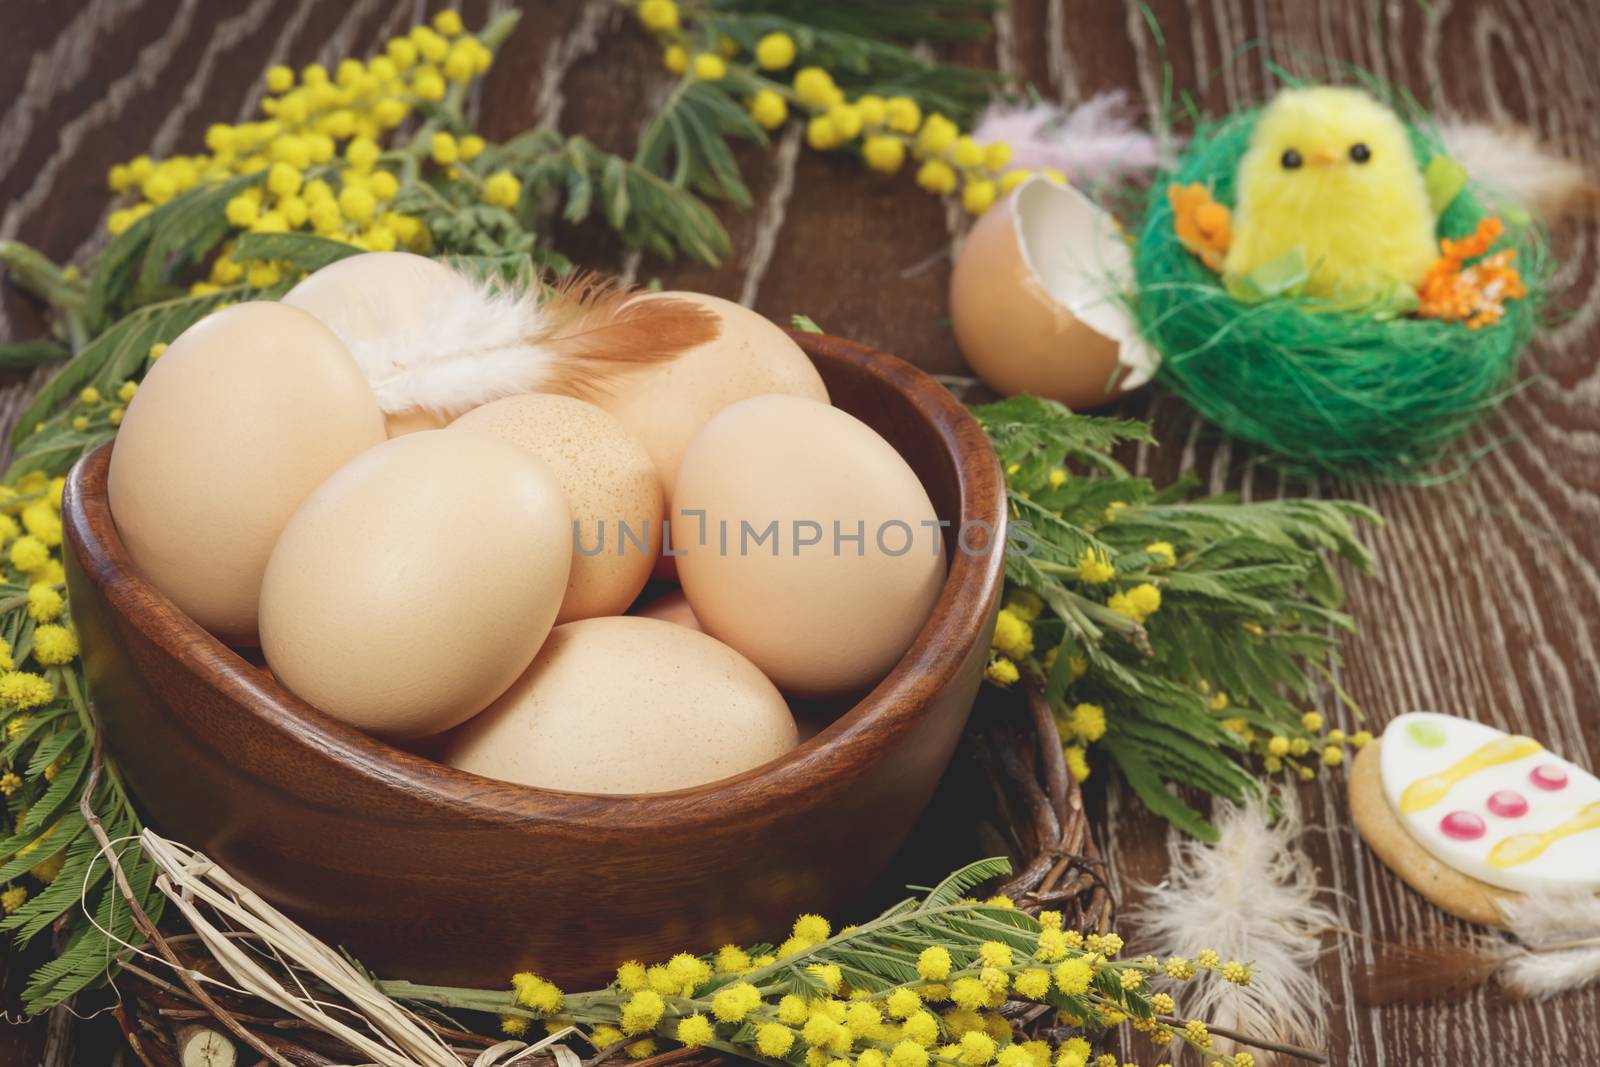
1038 299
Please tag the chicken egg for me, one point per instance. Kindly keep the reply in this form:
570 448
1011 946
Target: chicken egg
415 584
244 415
1037 304
370 298
809 544
400 423
610 485
671 606
365 298
665 404
626 705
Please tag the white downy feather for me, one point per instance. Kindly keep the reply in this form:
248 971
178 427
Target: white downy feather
430 338
1253 897
1542 921
1511 163
459 333
1541 975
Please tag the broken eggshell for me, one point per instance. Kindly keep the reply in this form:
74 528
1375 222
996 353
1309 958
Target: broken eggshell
1037 299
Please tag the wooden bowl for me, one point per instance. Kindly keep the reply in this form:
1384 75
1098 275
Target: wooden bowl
436 875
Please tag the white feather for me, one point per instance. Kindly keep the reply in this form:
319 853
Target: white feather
465 341
430 338
1512 164
1540 975
1253 897
1542 921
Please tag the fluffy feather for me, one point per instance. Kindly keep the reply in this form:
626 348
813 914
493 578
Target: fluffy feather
598 325
485 340
1510 162
463 344
1094 142
1548 923
1541 975
1252 897
1558 950
433 339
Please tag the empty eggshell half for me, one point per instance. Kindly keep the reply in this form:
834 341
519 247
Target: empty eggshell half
1037 299
626 705
822 555
417 582
610 485
243 416
664 404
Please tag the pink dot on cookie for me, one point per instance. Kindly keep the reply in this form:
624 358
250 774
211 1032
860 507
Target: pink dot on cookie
1508 804
1462 826
1549 777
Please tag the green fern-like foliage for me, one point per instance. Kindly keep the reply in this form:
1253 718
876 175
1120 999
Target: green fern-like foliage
865 48
53 847
1249 616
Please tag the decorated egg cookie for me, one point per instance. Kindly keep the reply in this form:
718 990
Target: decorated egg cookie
1495 806
1471 816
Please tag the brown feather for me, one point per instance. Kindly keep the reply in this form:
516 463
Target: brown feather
600 327
1413 974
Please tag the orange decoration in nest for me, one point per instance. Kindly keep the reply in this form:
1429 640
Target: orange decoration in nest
1203 226
1476 294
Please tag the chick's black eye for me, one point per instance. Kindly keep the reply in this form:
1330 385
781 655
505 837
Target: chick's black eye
1291 159
1360 152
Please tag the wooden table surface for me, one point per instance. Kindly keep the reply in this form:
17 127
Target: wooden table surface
1488 589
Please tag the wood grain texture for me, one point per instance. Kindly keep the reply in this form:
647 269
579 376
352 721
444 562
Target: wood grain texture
1488 588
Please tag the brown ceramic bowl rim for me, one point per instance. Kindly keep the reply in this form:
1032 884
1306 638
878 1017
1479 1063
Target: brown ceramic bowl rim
852 744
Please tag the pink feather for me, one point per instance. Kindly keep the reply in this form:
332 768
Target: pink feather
1096 141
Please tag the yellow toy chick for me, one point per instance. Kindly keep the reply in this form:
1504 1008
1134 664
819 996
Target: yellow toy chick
1330 171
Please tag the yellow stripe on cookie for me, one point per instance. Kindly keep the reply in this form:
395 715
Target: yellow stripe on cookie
1520 848
1426 792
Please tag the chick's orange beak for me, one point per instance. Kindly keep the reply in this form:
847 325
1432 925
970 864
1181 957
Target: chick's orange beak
1322 157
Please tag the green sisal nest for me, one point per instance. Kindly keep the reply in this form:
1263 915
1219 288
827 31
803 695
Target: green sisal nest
1340 392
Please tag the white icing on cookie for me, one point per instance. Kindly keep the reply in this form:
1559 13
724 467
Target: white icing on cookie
1493 805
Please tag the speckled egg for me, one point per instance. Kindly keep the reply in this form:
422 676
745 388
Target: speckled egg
611 488
627 705
671 606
